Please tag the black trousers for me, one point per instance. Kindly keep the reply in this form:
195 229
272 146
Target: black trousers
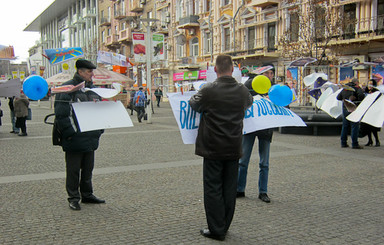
140 112
220 186
79 174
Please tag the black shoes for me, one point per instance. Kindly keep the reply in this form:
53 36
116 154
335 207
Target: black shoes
345 146
377 144
74 205
264 197
240 194
369 143
92 199
207 233
357 147
23 134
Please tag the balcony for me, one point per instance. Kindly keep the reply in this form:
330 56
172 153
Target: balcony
160 4
120 14
125 35
263 3
189 21
91 13
163 29
137 7
105 21
188 63
79 20
112 40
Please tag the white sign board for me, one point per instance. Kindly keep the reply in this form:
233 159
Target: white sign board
262 114
101 115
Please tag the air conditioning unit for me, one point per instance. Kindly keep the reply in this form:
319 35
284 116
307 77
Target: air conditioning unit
360 59
167 20
192 32
133 25
142 1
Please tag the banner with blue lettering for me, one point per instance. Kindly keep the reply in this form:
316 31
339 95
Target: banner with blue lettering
262 114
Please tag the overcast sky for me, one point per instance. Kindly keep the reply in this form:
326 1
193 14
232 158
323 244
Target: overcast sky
14 17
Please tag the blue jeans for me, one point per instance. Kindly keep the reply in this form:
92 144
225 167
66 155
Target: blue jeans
13 120
354 126
264 146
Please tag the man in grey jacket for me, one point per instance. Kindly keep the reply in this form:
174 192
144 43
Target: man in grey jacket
222 104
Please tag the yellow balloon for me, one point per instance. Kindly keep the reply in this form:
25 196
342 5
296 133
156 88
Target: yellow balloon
261 84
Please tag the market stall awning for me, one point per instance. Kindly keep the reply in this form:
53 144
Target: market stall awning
101 76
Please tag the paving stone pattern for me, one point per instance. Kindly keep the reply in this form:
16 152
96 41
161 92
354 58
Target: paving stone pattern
152 183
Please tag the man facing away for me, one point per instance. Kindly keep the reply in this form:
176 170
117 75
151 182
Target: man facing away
140 100
222 105
79 147
264 138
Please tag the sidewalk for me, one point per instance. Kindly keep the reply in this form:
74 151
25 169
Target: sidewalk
152 183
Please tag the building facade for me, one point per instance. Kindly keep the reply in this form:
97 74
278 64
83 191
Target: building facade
253 32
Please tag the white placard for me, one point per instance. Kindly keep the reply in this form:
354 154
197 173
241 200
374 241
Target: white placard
363 107
262 115
101 115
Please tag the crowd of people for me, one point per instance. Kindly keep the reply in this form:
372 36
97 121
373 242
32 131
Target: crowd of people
220 141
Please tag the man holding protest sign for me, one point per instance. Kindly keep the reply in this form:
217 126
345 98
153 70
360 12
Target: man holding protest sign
264 137
79 147
222 104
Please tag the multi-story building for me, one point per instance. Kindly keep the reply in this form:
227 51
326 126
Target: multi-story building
70 23
253 32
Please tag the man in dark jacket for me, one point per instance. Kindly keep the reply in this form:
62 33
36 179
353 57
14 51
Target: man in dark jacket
222 104
356 97
79 147
264 138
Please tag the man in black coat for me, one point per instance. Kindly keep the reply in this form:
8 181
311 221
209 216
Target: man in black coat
79 147
222 104
356 97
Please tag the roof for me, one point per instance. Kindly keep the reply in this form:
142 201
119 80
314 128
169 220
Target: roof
55 10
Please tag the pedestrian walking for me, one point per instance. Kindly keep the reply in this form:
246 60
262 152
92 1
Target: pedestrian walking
140 102
158 94
21 112
264 139
131 100
366 129
79 147
222 105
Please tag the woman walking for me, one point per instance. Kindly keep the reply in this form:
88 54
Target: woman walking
21 112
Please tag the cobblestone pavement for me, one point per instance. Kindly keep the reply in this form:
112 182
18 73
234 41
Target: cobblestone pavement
152 182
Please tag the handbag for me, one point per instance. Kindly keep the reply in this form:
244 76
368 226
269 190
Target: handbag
29 117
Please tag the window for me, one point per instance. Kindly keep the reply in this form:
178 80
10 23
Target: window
225 2
179 9
123 26
207 43
251 37
320 16
109 32
109 14
179 51
115 10
207 5
349 20
271 34
294 27
194 47
102 14
103 36
227 39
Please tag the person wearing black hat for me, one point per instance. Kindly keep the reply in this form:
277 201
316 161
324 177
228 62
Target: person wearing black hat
79 147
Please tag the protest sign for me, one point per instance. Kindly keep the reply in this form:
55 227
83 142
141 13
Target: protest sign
262 114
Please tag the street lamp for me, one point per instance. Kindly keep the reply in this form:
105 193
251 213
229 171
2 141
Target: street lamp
148 49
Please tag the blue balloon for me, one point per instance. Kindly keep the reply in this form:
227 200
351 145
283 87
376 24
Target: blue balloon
35 87
280 95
